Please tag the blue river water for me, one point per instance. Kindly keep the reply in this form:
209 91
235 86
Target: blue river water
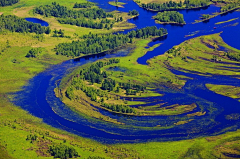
36 20
38 97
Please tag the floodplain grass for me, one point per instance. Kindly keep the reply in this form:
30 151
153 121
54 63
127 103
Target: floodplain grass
117 4
226 90
200 55
222 22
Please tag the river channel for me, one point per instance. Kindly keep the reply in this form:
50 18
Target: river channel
38 97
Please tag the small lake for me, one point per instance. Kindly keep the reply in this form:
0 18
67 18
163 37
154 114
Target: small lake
36 20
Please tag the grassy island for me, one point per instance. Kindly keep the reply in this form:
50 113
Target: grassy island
117 4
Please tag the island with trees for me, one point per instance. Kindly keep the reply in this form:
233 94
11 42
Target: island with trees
173 5
169 17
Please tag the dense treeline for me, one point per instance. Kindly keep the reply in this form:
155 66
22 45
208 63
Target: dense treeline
34 52
63 151
170 16
205 16
133 13
174 5
57 10
86 17
230 6
83 5
196 3
16 24
7 2
93 74
83 22
94 43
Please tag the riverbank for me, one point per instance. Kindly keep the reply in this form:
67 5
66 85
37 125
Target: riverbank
215 15
174 23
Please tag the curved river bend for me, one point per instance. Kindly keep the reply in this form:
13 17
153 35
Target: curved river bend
38 96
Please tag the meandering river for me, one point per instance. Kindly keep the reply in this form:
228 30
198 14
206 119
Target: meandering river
38 97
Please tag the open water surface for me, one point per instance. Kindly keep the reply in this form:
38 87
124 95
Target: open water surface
39 21
38 96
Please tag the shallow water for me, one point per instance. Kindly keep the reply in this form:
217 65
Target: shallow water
38 97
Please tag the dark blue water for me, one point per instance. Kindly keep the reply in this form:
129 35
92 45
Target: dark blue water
36 20
38 96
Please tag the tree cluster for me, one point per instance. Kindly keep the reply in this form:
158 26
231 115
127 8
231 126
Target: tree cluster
8 2
86 17
34 52
133 13
230 6
94 43
62 151
16 24
119 108
175 5
174 51
93 74
57 10
58 33
196 3
205 16
83 5
234 56
83 22
32 137
170 16
132 89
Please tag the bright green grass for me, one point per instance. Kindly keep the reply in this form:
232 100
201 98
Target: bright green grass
24 4
201 56
143 74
